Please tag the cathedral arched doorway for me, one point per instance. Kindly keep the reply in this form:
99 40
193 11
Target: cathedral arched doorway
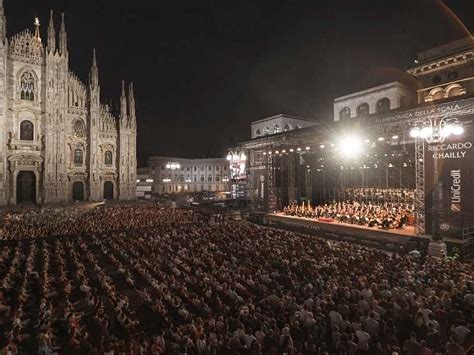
26 187
108 190
78 191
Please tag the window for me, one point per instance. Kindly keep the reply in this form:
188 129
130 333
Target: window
195 168
217 167
26 130
436 79
108 158
79 129
78 157
210 168
217 178
187 169
195 179
27 86
454 90
202 178
452 75
225 167
257 132
276 129
383 105
209 178
363 110
287 127
345 113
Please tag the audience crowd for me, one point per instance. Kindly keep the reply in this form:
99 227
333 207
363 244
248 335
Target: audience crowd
386 216
180 286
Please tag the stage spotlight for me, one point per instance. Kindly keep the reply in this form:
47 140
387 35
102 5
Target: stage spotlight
458 130
395 137
322 146
292 150
350 146
307 148
381 139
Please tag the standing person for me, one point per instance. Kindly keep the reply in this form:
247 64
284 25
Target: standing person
363 340
412 346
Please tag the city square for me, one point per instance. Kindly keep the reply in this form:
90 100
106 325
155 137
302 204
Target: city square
186 178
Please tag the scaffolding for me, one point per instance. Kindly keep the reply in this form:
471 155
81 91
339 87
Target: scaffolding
272 198
420 212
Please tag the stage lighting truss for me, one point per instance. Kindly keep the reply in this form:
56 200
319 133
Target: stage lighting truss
436 130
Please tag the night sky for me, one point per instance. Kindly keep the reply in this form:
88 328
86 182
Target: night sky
203 70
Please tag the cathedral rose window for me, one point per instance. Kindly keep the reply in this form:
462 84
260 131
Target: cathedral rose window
27 86
26 130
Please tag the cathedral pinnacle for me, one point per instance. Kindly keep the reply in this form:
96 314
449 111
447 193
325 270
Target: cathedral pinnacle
63 36
94 74
37 29
3 23
123 103
51 34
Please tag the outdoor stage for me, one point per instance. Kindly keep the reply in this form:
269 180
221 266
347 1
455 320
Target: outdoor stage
390 239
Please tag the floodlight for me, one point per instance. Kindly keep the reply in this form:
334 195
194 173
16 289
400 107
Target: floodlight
350 146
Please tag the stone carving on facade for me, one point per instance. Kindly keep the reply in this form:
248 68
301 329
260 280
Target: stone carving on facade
70 116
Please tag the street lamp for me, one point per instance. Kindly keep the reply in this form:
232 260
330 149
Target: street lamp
173 166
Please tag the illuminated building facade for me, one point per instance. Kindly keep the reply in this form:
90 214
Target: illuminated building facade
58 142
178 175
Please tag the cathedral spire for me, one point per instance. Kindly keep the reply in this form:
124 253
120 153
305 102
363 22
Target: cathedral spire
51 34
131 103
63 36
3 23
94 74
123 103
37 29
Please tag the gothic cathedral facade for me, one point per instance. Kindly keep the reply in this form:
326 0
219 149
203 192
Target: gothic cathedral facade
58 142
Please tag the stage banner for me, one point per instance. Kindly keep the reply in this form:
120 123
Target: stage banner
450 167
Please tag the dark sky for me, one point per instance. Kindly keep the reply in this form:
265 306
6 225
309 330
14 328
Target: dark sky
203 70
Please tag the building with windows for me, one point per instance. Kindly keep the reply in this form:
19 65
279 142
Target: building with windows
278 124
177 175
58 142
144 184
375 100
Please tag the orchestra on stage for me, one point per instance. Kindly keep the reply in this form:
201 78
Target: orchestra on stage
388 215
